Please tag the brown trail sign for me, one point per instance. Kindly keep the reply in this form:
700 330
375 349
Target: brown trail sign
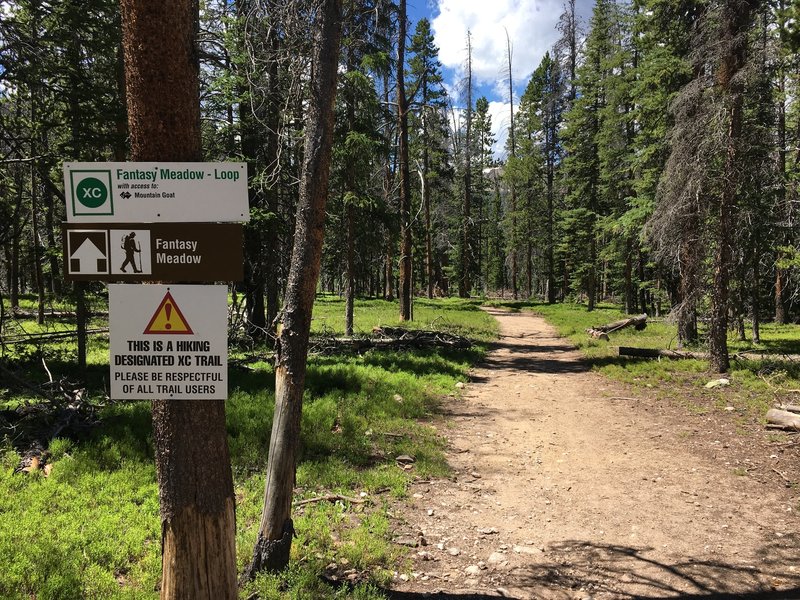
153 252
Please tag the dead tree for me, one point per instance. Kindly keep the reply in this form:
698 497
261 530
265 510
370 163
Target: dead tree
271 551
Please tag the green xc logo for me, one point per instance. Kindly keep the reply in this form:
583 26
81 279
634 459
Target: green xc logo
91 192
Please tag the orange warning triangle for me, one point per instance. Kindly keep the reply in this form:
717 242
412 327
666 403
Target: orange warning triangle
168 318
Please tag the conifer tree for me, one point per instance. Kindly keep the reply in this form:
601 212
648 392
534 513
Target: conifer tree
586 202
428 101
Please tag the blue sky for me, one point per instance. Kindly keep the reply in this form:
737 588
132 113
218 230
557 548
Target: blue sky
531 26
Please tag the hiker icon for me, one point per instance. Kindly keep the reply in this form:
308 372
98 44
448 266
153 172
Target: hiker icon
131 248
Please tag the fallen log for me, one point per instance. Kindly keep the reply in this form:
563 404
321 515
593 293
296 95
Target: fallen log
684 355
638 322
783 419
391 338
657 353
793 408
36 338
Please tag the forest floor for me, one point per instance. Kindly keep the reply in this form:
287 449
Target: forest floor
567 485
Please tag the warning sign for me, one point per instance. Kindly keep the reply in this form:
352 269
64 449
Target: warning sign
168 341
168 319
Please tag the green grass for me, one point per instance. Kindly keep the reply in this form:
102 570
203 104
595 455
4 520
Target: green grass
756 384
91 529
455 315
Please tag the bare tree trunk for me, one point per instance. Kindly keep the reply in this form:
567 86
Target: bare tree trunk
687 308
53 254
191 446
551 265
275 531
272 149
405 174
465 281
37 256
781 316
350 291
513 146
591 286
642 294
388 178
81 319
15 249
630 295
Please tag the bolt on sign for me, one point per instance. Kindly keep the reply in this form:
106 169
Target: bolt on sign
156 192
199 252
168 342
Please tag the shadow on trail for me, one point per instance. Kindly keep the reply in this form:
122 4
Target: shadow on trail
525 357
627 572
442 596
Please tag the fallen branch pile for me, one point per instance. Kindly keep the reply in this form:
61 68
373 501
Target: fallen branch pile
64 411
391 338
639 322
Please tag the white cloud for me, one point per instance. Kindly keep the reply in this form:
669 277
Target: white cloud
531 26
501 117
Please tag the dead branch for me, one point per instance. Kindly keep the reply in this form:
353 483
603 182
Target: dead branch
391 338
783 419
657 353
638 322
329 498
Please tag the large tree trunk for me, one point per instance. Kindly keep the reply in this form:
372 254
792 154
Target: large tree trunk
736 17
191 445
274 539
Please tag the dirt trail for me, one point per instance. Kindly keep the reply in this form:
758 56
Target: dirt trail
568 487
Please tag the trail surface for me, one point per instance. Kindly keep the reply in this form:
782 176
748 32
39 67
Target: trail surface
570 486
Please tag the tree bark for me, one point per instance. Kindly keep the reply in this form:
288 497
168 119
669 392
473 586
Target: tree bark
274 539
350 289
405 174
191 446
37 256
781 316
81 319
736 18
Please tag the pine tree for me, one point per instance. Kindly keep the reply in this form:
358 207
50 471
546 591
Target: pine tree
490 240
428 101
701 183
540 119
587 201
